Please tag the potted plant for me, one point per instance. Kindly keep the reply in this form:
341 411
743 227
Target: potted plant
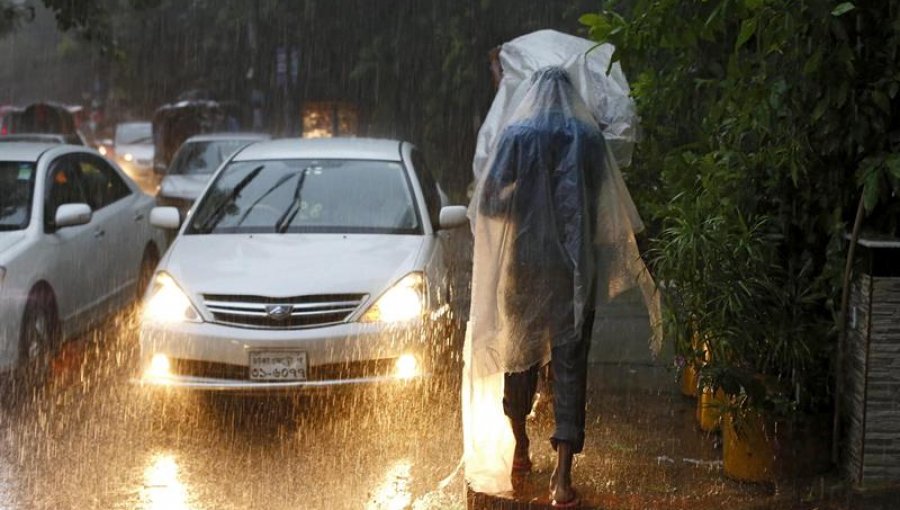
773 368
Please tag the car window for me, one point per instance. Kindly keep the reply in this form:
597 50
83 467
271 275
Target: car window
102 185
322 196
63 188
134 133
429 188
16 190
196 158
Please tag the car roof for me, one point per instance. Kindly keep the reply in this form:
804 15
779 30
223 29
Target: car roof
33 137
211 137
134 123
24 151
323 148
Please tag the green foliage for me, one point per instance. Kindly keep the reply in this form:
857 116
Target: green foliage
773 113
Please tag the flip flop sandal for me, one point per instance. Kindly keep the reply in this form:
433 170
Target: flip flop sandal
521 467
572 503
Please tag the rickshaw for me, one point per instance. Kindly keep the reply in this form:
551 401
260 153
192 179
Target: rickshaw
174 123
46 118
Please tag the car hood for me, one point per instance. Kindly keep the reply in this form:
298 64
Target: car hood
184 186
287 265
10 239
140 152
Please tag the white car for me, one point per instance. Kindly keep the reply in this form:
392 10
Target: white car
133 146
308 264
75 243
194 164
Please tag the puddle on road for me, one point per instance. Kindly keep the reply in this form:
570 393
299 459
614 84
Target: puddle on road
394 491
163 489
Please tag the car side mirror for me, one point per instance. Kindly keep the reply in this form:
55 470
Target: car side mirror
453 216
70 215
165 217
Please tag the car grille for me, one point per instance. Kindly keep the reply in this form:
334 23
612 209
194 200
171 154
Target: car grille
298 312
328 372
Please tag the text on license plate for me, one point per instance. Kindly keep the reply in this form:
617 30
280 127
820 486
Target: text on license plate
278 365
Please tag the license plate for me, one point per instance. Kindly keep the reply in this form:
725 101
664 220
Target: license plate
278 366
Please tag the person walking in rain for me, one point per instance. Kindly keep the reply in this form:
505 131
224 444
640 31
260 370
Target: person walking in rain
542 184
546 209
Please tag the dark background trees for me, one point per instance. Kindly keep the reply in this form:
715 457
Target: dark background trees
416 69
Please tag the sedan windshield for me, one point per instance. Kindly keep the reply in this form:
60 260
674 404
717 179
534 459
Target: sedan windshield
16 190
195 158
294 196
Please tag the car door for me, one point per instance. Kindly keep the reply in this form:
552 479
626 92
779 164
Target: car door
72 265
117 225
448 261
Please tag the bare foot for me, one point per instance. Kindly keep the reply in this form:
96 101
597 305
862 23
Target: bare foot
521 458
561 491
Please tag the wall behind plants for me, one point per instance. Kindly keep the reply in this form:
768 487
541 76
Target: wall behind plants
783 111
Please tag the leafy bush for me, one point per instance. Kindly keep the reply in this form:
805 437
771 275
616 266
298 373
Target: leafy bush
764 122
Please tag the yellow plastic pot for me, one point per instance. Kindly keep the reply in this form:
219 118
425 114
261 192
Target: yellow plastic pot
689 380
709 409
748 448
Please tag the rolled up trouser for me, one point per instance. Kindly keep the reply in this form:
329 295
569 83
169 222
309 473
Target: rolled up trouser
568 368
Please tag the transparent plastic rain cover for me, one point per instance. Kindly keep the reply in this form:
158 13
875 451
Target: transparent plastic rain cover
554 229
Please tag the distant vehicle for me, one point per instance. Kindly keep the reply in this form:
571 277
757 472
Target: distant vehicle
40 138
307 264
33 137
194 164
43 118
175 123
75 245
133 150
7 116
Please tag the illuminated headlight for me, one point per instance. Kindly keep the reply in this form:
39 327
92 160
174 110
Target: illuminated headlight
128 157
159 367
167 303
402 302
406 367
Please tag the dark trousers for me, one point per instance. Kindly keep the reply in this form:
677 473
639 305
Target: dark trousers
568 368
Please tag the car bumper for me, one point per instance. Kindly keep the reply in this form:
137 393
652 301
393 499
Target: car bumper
215 357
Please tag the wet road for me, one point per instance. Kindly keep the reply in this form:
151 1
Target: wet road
97 441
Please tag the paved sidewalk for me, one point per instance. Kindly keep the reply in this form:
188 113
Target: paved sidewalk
644 451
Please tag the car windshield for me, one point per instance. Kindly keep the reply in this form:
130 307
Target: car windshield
16 185
195 158
295 196
134 133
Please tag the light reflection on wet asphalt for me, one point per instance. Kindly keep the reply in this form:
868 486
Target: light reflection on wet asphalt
98 441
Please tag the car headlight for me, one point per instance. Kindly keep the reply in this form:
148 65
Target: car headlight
402 302
167 303
128 157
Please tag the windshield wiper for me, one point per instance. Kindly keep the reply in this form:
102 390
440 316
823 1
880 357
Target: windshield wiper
282 180
216 215
285 220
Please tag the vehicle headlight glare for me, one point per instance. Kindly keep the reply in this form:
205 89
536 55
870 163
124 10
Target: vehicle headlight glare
406 367
167 303
402 302
159 367
128 157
